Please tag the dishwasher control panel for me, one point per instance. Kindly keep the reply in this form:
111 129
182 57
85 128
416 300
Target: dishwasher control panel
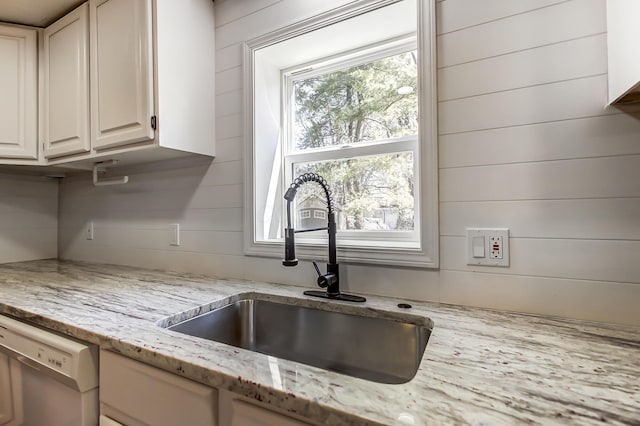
36 347
30 349
54 359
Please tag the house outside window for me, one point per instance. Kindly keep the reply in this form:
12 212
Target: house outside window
355 105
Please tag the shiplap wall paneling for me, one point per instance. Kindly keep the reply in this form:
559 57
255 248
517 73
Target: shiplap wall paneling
479 12
525 143
589 218
513 33
600 177
595 300
584 259
606 135
556 101
226 12
259 20
583 57
28 218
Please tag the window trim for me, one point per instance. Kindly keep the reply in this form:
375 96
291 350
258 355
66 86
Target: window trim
426 255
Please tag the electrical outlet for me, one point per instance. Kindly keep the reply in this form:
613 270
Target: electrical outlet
90 231
495 247
488 246
174 240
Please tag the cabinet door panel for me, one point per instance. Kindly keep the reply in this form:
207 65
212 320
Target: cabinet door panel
236 410
66 85
18 89
244 414
121 72
135 393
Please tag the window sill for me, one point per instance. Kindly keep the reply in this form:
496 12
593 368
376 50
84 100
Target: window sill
374 253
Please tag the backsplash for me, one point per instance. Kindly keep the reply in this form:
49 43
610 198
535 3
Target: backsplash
28 218
525 143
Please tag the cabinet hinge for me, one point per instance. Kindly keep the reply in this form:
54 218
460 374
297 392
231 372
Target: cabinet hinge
153 122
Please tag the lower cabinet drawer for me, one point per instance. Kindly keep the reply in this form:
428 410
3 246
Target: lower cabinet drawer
236 410
133 393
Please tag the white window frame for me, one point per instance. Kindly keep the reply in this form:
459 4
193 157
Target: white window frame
425 252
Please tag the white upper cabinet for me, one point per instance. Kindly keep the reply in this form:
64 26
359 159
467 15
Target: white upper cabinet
123 80
121 72
18 93
152 71
623 39
65 94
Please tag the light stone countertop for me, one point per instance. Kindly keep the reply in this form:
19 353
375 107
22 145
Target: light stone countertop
480 366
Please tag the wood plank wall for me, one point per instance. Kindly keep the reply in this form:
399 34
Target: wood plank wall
28 218
525 143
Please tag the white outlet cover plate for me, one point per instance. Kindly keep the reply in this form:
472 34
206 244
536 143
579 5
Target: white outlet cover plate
174 239
487 233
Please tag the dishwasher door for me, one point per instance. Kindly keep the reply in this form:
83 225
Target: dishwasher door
10 407
42 400
45 378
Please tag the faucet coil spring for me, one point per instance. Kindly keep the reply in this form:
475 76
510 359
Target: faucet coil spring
310 177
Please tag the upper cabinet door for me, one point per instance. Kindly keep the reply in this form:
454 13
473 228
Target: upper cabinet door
65 94
18 93
121 72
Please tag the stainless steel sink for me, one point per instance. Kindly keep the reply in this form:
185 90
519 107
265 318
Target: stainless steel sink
384 350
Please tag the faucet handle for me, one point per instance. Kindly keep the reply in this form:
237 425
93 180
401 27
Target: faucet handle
324 280
315 265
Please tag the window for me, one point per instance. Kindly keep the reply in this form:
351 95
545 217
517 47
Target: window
355 122
347 95
319 214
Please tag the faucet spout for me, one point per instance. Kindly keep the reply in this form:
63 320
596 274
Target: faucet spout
330 280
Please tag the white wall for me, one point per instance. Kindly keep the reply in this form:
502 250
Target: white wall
525 143
28 218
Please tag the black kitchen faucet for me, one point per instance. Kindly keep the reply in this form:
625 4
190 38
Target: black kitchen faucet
330 280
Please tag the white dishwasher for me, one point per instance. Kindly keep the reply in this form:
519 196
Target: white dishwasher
45 378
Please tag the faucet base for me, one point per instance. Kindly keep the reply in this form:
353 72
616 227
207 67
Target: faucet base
341 296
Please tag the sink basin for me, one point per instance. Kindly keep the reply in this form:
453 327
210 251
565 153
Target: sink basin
383 347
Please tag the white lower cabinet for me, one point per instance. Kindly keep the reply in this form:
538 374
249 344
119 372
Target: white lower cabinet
236 410
135 394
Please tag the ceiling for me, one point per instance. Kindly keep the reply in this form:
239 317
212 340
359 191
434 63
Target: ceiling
37 13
